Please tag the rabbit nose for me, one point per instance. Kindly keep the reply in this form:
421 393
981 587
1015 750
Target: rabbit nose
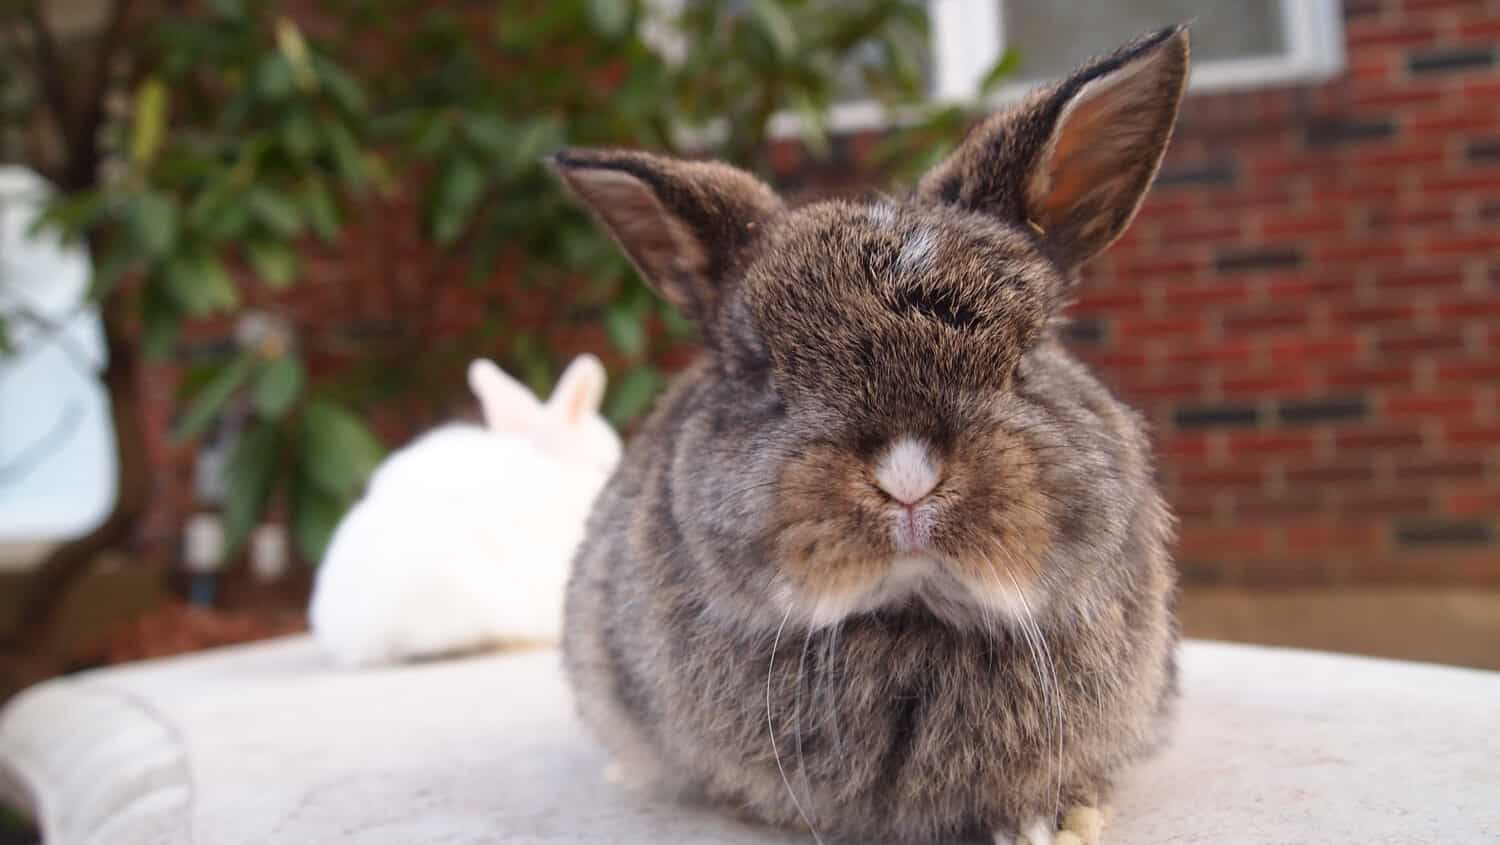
908 470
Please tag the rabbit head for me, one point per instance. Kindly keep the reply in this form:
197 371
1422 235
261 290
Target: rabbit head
567 426
876 420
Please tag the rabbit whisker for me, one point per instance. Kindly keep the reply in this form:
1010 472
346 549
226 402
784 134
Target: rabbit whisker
771 732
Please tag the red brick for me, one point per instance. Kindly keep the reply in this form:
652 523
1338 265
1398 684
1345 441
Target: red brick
1363 34
1463 121
1301 351
1484 243
1366 505
1222 477
1266 318
1337 473
1095 302
1269 443
1199 296
1304 225
1222 542
1397 313
1424 278
1404 218
1377 439
1151 328
1480 28
1467 308
1450 406
1213 230
1272 383
1397 158
1406 343
1312 287
1456 469
1476 500
1274 508
1322 535
1478 435
1185 446
1158 207
1479 183
1481 372
1224 352
1380 250
1399 375
1156 268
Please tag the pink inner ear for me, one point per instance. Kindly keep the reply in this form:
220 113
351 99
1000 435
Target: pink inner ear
1098 136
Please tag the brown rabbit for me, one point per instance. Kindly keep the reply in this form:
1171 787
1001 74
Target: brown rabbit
888 562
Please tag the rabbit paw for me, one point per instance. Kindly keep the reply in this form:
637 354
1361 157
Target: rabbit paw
1080 826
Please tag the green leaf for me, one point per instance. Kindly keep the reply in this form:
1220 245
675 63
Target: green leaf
999 72
290 42
231 9
339 451
274 262
276 212
489 132
633 393
249 477
771 19
609 18
198 283
162 322
277 386
458 192
209 401
343 88
153 222
299 135
626 328
319 208
148 123
350 161
315 515
273 78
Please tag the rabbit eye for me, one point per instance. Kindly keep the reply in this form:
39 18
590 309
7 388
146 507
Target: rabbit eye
941 305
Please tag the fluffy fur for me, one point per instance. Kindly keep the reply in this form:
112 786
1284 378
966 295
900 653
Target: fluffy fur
463 539
754 617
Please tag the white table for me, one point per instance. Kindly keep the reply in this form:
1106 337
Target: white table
269 743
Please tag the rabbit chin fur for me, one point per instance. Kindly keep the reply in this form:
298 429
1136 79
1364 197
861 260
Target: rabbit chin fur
463 541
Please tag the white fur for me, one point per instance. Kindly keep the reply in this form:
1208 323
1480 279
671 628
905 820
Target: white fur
908 471
916 253
464 538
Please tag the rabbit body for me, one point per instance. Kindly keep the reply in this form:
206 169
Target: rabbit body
887 562
462 541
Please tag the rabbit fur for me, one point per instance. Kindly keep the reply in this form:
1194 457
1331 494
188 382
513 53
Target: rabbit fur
887 563
463 538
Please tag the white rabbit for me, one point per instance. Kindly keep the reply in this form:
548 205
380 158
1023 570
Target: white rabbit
464 538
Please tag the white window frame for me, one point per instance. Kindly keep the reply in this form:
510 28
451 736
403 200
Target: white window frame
968 38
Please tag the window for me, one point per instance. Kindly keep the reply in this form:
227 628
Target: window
1236 43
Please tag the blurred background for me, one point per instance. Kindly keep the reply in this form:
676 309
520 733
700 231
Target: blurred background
247 247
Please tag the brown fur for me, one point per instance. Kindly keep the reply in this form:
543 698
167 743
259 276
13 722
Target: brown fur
741 621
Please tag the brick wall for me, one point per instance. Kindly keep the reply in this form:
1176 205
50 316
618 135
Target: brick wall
1308 310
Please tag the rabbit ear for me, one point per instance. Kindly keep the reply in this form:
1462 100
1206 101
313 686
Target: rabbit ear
579 391
1074 161
683 223
508 405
